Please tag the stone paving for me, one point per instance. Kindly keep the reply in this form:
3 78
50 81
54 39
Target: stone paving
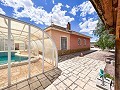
96 54
39 82
103 56
19 73
78 73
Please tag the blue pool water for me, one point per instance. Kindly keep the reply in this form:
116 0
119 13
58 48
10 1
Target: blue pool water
14 58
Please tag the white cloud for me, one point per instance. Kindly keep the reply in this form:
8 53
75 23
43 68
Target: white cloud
84 19
2 12
53 1
58 16
74 10
67 6
38 14
94 39
88 26
85 8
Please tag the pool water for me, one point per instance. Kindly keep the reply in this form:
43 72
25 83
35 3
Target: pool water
4 59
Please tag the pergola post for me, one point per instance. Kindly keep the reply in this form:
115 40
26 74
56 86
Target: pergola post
24 45
4 43
43 52
53 56
56 64
29 51
9 52
117 50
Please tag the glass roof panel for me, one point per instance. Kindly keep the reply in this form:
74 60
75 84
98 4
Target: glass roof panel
4 30
20 32
3 22
17 25
34 29
38 34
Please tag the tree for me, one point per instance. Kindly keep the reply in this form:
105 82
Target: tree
106 40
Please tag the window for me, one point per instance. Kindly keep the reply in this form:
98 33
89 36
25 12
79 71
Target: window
63 43
79 41
84 41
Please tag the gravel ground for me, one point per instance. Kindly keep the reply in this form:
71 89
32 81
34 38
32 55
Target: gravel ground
95 54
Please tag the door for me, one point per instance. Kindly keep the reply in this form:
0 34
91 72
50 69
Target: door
16 46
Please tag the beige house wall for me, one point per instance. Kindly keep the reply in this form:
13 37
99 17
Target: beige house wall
56 36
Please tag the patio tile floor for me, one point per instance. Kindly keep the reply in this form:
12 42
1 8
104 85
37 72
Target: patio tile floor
78 73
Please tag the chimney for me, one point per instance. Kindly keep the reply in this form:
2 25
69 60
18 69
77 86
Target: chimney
68 26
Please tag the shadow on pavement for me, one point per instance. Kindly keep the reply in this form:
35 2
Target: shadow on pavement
38 82
70 56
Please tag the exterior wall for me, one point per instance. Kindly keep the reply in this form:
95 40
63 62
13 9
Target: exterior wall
74 42
56 36
49 32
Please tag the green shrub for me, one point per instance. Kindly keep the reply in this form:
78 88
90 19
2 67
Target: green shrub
66 52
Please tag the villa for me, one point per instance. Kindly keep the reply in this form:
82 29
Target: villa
67 40
29 54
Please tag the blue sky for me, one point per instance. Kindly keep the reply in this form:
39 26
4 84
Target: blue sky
80 13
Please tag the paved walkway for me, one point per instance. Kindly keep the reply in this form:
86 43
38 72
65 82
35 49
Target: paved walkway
39 82
78 73
95 54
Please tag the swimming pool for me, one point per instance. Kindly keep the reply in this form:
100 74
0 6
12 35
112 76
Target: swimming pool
14 58
4 59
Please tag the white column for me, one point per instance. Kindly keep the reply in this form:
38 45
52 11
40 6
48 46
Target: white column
56 54
38 52
43 52
53 56
56 65
29 51
24 46
14 45
9 52
4 44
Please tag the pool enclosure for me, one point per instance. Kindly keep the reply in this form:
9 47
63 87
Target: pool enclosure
20 39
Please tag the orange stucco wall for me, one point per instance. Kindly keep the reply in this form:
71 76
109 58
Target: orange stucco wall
49 32
74 42
56 36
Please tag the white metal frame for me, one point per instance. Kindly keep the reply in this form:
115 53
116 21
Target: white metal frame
9 52
29 51
56 51
43 53
4 44
29 45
